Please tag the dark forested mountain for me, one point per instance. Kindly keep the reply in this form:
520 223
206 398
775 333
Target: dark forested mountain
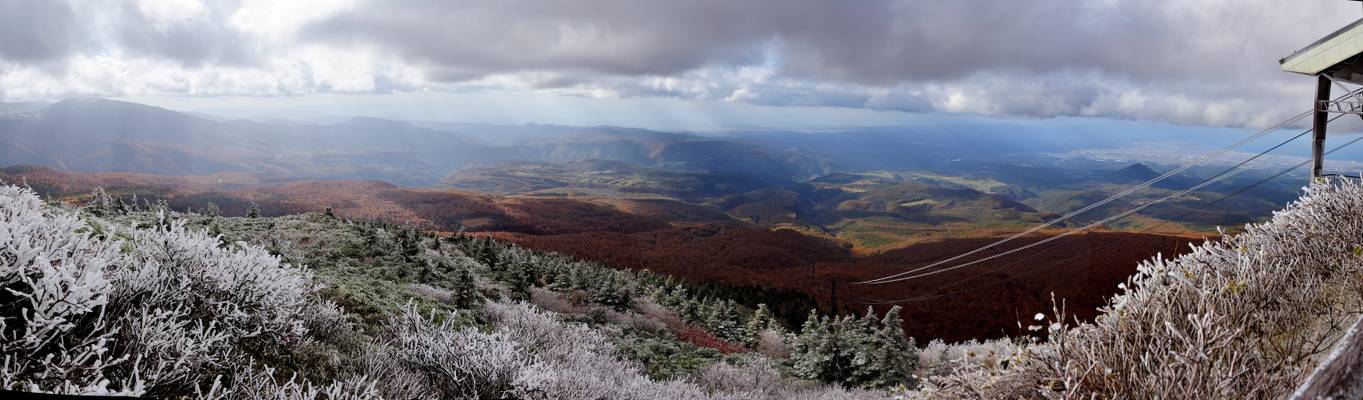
95 135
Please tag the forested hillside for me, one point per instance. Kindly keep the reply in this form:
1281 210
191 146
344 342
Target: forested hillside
114 298
123 299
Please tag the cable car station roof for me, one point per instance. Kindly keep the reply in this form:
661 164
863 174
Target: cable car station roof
1323 56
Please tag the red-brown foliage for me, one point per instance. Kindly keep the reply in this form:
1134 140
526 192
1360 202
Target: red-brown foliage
435 209
982 301
702 338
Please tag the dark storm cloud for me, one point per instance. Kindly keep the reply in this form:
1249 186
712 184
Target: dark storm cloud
36 31
1211 61
601 36
1200 61
875 42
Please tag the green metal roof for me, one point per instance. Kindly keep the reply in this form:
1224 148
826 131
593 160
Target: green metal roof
1326 52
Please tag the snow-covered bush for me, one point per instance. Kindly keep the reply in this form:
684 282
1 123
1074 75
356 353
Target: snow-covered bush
530 354
161 313
55 333
262 383
460 363
204 306
939 358
572 361
245 290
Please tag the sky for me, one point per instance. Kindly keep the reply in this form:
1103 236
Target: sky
689 65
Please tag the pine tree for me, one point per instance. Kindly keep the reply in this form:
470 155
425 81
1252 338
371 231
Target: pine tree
211 209
121 207
863 338
624 298
895 355
254 212
489 254
814 350
732 322
675 297
464 287
604 290
101 204
518 283
691 311
760 320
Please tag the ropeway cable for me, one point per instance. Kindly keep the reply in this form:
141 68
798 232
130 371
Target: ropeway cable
1052 264
1148 229
1216 178
1185 214
1066 233
1100 203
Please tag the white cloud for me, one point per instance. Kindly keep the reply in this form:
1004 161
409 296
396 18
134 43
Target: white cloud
164 13
1189 61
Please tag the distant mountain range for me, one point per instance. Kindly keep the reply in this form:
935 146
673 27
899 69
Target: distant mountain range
877 188
95 135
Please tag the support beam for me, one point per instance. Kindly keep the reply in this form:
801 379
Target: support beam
1318 124
1340 375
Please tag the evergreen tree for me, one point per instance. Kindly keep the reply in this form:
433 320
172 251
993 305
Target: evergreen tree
723 320
677 296
489 255
624 298
254 212
896 356
121 207
101 204
862 352
604 290
464 287
211 209
691 311
518 283
760 320
863 338
815 352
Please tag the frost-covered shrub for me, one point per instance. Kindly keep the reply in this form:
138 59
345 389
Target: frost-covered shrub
432 292
573 361
939 358
160 313
1245 317
242 288
460 363
531 354
55 332
760 378
254 383
205 307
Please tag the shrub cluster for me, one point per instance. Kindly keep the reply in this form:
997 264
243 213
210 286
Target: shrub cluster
160 311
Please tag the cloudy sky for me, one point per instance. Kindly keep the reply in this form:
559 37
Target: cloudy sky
695 63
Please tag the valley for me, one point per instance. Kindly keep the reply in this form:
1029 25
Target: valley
808 213
816 238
